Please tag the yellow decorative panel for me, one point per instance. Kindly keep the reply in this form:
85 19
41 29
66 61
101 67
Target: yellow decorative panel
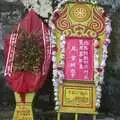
77 97
23 110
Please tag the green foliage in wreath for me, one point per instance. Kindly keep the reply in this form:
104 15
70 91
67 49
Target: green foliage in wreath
29 52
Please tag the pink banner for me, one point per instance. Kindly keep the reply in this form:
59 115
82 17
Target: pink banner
79 59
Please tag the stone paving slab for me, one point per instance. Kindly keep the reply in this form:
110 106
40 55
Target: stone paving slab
108 118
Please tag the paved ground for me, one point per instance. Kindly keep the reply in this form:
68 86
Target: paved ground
108 118
8 114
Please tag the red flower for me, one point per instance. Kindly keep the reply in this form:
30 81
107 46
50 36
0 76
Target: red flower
55 48
99 69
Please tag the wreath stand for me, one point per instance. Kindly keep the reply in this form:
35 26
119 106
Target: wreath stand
23 110
80 37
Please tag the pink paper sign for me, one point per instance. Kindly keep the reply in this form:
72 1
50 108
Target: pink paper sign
79 59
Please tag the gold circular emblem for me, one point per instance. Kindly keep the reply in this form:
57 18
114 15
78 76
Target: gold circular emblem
80 13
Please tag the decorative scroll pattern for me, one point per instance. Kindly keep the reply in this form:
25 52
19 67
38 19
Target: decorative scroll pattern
63 22
84 14
81 31
97 23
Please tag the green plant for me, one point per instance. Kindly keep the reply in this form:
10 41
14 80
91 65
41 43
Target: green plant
29 52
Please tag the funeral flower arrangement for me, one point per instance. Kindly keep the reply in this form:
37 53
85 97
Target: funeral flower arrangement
58 70
27 62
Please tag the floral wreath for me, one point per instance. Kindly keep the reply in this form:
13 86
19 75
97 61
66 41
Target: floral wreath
58 70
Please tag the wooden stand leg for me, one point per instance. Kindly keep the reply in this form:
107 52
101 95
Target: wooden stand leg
23 110
76 116
94 117
58 116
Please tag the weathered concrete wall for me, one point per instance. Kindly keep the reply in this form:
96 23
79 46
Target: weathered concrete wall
111 93
10 14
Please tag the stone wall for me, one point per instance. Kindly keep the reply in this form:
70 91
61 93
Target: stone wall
10 14
111 91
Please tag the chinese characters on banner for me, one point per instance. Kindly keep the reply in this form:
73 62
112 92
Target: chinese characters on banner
79 59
